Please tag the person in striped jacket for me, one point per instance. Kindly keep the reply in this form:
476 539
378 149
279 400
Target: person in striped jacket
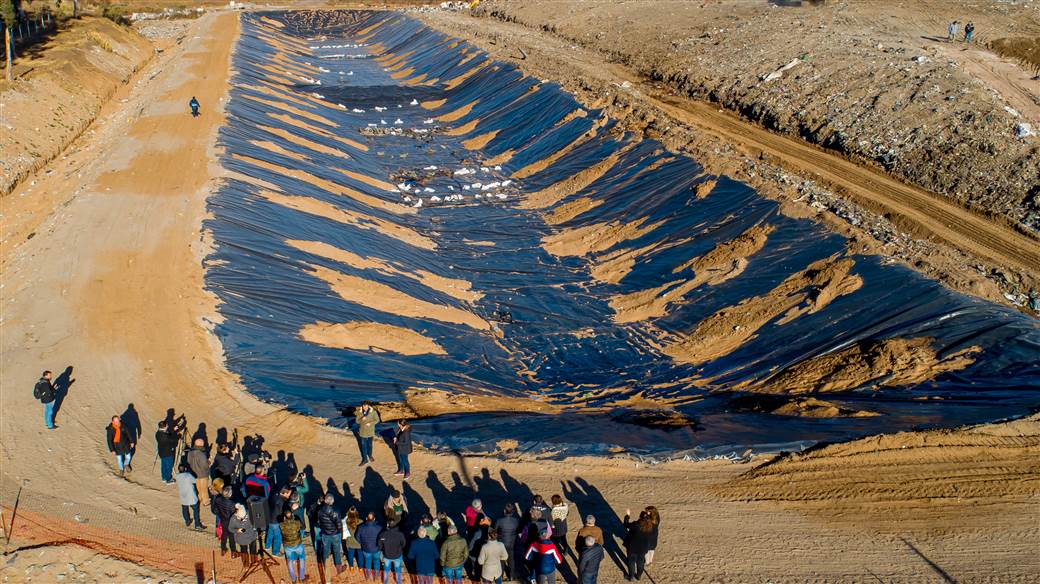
548 557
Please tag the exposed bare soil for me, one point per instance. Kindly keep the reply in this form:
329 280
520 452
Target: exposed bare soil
112 286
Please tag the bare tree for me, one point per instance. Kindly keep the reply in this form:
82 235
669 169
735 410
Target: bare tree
8 12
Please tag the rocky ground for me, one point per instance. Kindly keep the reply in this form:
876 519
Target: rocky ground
875 81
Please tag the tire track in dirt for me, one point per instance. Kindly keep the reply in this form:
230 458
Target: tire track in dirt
916 210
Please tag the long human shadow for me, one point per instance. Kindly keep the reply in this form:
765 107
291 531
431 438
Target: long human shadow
132 423
373 493
590 501
62 384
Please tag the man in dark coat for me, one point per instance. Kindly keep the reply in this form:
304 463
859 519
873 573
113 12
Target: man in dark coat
507 527
330 532
403 447
166 446
391 543
588 562
47 394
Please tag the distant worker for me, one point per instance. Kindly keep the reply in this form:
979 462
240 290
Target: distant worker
45 392
120 444
951 31
969 32
194 105
366 417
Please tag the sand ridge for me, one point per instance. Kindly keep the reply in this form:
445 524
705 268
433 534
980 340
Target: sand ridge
384 298
801 293
369 336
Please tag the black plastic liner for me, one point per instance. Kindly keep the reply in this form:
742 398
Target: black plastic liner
556 334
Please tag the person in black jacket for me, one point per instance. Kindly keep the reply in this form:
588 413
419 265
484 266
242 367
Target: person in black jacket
120 444
223 506
403 447
330 531
225 463
279 505
637 543
166 447
47 394
588 562
391 543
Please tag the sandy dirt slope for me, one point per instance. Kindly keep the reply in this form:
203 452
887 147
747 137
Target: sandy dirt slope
111 286
61 86
930 233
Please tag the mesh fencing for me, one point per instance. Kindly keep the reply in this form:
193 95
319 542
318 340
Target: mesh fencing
162 543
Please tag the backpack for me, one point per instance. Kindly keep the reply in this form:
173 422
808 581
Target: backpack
37 391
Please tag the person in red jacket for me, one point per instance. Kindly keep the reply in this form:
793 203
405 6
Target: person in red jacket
548 557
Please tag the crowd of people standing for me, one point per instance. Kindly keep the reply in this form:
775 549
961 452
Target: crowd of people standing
264 510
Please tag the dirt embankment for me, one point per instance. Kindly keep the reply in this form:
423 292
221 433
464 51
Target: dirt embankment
873 80
60 87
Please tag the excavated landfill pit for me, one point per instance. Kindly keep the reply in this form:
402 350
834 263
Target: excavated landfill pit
406 219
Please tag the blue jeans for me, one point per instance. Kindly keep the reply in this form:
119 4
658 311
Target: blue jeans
392 565
123 460
371 560
166 468
353 557
186 513
273 541
402 464
48 415
333 543
453 574
366 449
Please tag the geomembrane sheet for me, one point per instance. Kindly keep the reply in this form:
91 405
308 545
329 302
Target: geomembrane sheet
403 213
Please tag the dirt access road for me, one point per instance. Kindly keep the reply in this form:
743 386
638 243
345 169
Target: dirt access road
111 285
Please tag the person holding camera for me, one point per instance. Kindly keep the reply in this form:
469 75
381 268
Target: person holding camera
166 442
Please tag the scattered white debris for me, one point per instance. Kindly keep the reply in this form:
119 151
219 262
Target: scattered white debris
430 167
379 108
382 122
358 110
398 122
780 72
1023 129
464 171
428 121
435 199
414 102
428 190
418 204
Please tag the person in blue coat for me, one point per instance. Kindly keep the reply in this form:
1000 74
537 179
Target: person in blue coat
424 553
